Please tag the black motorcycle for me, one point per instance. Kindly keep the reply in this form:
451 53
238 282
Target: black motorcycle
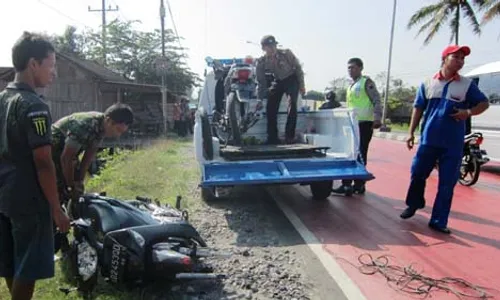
472 160
134 243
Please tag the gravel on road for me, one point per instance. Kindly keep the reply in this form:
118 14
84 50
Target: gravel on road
269 259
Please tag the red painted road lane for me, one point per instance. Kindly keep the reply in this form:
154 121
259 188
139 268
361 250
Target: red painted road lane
348 227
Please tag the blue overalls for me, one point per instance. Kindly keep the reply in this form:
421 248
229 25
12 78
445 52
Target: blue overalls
442 139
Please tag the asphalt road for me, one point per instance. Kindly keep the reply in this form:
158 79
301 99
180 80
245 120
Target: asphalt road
347 227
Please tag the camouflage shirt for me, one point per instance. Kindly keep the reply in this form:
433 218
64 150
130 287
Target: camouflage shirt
282 64
24 126
80 130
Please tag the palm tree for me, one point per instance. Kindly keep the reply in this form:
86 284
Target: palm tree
492 10
435 15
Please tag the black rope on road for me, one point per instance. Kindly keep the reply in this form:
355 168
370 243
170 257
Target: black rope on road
407 279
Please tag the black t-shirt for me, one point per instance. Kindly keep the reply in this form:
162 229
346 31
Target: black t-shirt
25 124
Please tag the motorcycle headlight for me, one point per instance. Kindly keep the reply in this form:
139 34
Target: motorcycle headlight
86 260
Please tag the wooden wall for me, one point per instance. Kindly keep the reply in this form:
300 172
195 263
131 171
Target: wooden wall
73 90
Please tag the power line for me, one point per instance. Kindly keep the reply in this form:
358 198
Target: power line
70 18
175 27
64 15
103 12
120 12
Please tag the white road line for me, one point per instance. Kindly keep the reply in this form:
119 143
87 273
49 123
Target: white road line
348 287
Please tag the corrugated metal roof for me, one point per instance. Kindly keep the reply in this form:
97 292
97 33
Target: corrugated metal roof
102 72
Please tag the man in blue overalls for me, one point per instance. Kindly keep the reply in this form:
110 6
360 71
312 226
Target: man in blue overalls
444 103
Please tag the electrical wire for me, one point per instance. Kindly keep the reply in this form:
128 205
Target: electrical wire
408 280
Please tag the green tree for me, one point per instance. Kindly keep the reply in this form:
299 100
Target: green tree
435 15
491 10
314 95
339 86
69 42
132 53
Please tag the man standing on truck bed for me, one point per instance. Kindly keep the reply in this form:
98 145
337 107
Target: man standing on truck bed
289 79
84 132
363 96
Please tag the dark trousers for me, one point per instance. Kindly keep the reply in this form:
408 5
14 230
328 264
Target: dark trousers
449 171
290 87
365 136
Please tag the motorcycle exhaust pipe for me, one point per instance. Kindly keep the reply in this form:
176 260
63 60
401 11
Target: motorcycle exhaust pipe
207 252
199 276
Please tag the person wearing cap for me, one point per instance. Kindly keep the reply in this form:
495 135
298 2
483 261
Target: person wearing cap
289 79
331 102
445 101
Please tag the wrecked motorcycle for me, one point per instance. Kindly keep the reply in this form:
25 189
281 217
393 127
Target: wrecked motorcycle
134 243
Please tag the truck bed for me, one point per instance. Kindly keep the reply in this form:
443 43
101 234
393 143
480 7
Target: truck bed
259 152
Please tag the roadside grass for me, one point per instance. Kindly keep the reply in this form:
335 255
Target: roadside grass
400 127
163 171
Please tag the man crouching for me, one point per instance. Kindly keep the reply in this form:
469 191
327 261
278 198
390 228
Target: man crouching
83 132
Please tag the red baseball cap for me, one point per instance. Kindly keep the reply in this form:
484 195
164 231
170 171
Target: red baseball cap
454 49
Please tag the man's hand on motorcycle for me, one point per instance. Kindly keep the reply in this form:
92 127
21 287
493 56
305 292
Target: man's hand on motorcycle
410 142
61 219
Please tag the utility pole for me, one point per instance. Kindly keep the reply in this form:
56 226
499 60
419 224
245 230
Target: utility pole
386 96
103 11
164 67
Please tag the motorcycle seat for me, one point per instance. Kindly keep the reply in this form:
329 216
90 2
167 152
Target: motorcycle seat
471 136
111 214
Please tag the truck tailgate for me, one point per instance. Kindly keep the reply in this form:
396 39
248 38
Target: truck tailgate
279 171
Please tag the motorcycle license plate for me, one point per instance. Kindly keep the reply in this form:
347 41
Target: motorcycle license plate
118 263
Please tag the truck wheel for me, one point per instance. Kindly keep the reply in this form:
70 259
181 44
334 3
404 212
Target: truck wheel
321 190
208 194
206 133
233 109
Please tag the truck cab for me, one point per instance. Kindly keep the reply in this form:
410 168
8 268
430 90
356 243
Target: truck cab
326 149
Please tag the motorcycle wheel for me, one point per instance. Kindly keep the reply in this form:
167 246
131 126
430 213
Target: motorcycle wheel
233 109
470 166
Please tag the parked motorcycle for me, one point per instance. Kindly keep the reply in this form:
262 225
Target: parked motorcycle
241 108
473 158
134 242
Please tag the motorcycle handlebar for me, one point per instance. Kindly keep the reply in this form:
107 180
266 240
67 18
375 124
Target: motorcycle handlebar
143 199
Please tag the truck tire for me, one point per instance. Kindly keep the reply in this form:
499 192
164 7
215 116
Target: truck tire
233 108
206 133
208 194
321 190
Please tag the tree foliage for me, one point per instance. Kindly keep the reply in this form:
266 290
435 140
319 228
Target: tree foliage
432 17
132 53
400 97
314 95
491 10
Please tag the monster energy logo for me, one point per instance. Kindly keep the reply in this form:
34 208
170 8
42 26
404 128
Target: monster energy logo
40 124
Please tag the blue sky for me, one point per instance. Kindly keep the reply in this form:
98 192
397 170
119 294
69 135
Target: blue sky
323 34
